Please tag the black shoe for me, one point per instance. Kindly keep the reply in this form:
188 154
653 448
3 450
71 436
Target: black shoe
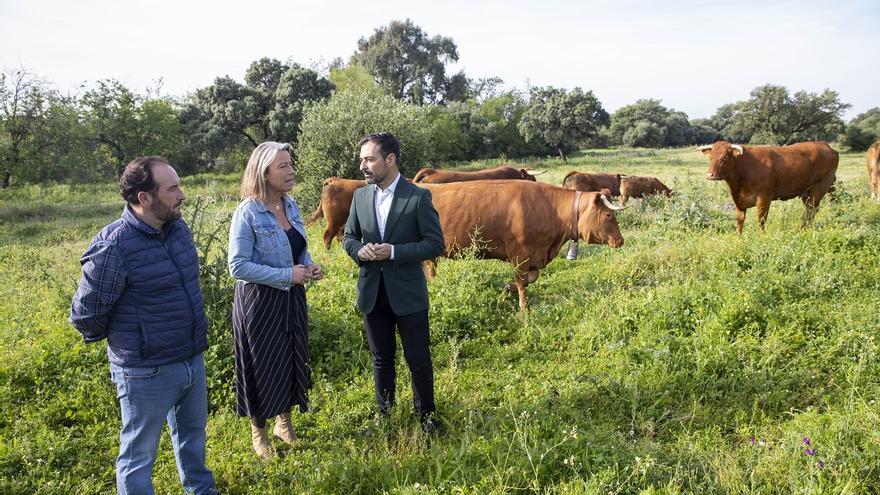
431 426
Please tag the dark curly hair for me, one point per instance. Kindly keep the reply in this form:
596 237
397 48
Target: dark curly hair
138 176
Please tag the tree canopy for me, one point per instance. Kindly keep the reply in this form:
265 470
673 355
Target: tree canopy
562 118
408 64
772 116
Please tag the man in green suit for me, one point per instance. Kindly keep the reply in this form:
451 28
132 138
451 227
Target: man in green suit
392 227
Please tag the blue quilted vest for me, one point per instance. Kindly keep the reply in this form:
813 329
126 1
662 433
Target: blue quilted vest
160 317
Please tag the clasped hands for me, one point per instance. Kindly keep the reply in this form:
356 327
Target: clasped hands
375 252
303 273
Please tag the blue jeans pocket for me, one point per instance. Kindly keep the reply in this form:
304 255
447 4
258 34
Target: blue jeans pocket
140 373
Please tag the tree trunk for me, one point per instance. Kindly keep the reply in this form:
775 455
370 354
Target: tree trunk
6 176
561 154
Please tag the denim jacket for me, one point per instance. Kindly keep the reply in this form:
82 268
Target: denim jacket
259 251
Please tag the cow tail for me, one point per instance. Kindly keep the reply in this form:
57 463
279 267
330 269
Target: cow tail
319 211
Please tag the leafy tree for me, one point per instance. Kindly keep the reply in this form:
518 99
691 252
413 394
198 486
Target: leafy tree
23 102
331 128
407 63
298 86
353 77
863 130
561 118
227 115
772 116
122 124
647 123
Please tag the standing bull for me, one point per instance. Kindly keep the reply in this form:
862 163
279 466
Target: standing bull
632 186
874 170
521 222
438 176
759 174
582 181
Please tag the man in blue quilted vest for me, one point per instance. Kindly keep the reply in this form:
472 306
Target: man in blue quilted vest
140 291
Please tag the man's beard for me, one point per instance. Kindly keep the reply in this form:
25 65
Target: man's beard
164 212
374 179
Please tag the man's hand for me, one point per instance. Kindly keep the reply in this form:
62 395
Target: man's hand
375 252
382 251
366 252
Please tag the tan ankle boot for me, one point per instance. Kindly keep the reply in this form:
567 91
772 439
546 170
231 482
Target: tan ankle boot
262 446
284 428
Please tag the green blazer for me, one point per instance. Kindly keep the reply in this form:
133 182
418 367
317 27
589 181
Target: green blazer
413 228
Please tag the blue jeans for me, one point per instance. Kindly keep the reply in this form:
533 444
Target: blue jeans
148 396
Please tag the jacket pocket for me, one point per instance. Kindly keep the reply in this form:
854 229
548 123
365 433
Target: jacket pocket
266 241
145 341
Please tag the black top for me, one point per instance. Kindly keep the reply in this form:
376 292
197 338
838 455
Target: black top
297 243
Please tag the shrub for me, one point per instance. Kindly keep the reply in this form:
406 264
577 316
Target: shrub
331 129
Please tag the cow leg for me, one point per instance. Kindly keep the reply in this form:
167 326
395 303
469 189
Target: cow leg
623 198
811 205
740 219
328 237
763 209
430 268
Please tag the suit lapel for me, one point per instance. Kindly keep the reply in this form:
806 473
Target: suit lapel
402 194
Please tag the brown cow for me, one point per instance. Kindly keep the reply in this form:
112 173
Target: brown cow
874 170
759 174
438 176
521 222
632 186
581 181
336 196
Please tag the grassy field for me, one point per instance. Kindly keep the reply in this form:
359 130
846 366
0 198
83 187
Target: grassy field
690 360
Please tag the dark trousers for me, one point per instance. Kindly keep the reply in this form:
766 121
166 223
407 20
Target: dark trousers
415 340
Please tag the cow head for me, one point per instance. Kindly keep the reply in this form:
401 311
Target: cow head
722 159
527 174
596 222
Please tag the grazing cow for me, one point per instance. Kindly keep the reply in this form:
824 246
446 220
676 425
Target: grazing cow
521 222
632 186
438 176
336 196
581 181
759 174
874 170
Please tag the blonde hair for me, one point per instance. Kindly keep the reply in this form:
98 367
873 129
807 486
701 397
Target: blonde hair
253 184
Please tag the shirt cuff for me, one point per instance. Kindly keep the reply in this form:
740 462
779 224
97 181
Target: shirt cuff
392 252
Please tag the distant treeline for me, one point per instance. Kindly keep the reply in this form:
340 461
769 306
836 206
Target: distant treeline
395 80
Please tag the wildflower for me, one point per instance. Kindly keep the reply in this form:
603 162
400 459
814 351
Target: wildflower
806 441
810 451
821 464
753 440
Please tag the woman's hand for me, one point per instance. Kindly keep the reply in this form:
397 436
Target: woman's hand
315 272
301 273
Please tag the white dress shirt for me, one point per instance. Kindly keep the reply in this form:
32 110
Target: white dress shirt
383 207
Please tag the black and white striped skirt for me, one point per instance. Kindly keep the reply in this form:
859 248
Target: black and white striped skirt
272 368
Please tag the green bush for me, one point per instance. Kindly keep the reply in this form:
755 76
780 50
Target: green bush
331 129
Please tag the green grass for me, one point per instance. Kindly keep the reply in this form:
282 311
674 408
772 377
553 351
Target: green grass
690 360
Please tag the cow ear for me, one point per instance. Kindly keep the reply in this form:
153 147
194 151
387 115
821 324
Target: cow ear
706 151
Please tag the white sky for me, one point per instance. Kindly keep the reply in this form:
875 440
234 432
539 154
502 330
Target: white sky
693 55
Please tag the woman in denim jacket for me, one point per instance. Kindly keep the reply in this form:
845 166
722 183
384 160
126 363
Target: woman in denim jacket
270 262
